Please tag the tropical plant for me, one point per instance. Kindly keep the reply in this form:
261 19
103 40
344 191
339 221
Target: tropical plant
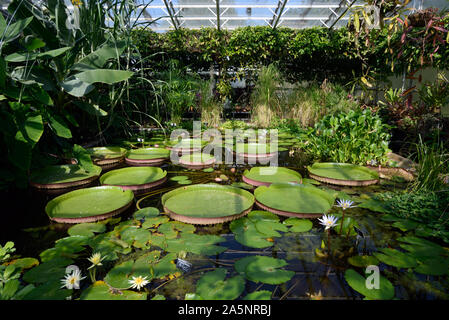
54 63
211 108
265 98
355 137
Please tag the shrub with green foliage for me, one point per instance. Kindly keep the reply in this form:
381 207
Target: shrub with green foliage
356 136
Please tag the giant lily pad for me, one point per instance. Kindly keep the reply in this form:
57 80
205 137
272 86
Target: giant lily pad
343 174
207 203
265 176
187 145
89 205
135 178
255 151
63 176
105 156
197 161
293 200
213 286
147 156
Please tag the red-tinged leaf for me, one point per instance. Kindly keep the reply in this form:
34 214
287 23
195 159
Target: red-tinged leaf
400 20
400 53
422 60
440 29
403 37
408 91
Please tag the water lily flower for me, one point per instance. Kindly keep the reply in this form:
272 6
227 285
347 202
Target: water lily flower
345 204
373 163
72 280
138 282
328 221
95 259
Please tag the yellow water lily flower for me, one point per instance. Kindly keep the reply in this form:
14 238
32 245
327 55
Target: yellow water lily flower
95 259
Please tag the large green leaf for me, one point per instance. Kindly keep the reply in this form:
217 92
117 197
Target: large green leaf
98 58
30 56
395 258
213 286
358 283
78 88
104 75
101 291
10 32
267 270
59 127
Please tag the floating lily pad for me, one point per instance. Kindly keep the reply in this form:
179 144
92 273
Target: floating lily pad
119 276
298 225
197 244
135 178
259 295
86 229
242 185
358 283
213 286
50 290
185 182
343 174
101 291
395 258
294 200
24 263
207 203
179 178
363 261
267 270
265 176
373 205
144 213
433 267
246 233
208 170
106 155
197 161
90 204
63 176
147 156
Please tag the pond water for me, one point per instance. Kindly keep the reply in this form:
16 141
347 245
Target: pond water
316 274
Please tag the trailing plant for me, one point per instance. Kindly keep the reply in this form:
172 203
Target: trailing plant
356 136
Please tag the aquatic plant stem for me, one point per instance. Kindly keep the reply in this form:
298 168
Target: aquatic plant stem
342 220
329 240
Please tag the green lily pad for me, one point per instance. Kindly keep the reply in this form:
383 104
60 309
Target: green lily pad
144 213
268 175
406 225
101 291
395 258
299 199
209 202
434 267
154 222
298 225
197 158
259 295
185 182
342 171
358 283
106 152
119 276
374 205
197 244
48 271
363 261
267 270
133 176
246 233
213 286
148 154
208 170
24 263
82 204
179 178
63 174
86 229
242 185
165 266
48 291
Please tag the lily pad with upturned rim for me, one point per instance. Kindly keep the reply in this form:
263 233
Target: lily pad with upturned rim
294 200
89 205
197 161
147 156
106 155
207 203
135 178
63 176
265 176
343 174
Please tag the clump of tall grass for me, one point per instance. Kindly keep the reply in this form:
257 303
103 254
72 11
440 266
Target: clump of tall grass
264 98
211 108
433 167
309 104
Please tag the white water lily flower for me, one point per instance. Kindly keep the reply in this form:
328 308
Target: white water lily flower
72 280
138 282
328 221
95 259
345 204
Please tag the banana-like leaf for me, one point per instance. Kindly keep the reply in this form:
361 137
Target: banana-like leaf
76 87
104 76
10 32
59 127
98 58
29 56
